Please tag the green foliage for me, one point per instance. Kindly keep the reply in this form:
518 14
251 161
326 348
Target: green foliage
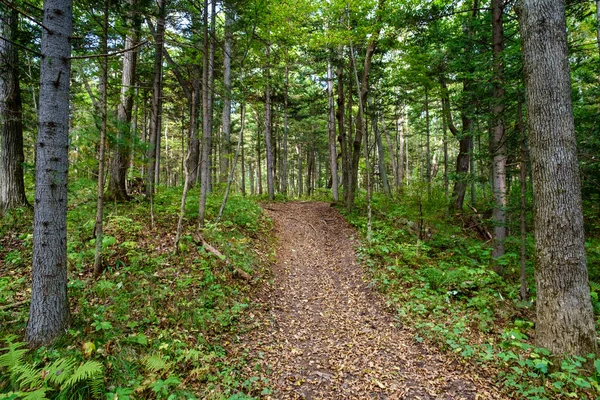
444 287
64 378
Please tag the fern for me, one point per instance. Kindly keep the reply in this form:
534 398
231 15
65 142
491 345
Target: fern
60 371
27 376
155 363
14 356
89 371
39 394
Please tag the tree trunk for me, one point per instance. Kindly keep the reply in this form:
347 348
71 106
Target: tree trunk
156 105
300 177
332 138
207 75
565 321
49 308
117 187
285 161
380 152
391 149
98 268
226 138
428 142
524 288
498 140
12 186
342 136
268 146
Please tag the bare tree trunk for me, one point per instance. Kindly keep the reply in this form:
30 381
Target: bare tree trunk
285 161
12 186
98 268
402 161
243 166
524 289
332 138
207 75
117 187
226 138
391 149
49 309
565 321
445 130
380 150
428 142
342 136
300 178
258 157
498 140
268 146
156 106
251 177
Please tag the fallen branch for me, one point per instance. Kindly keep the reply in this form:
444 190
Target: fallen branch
214 251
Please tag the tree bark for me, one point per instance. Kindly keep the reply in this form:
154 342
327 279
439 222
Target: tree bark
49 309
498 140
332 138
226 138
342 136
380 151
565 322
156 105
12 186
285 161
117 187
268 146
207 75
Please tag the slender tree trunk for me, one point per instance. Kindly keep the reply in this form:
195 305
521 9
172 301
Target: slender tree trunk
391 149
49 308
524 289
268 146
402 161
156 105
428 142
207 74
300 177
445 131
498 140
332 138
243 165
251 176
12 186
565 320
285 161
226 138
380 151
98 268
117 187
340 113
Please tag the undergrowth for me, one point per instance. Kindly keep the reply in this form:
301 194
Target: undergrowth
157 324
437 278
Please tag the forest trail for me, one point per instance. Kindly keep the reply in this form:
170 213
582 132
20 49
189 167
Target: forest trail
322 333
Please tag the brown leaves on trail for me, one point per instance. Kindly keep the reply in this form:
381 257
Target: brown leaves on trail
322 333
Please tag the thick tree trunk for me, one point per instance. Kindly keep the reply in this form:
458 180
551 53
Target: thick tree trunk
523 288
332 138
498 140
117 187
156 105
268 146
12 186
565 321
49 308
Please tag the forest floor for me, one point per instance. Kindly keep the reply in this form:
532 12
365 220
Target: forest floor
322 332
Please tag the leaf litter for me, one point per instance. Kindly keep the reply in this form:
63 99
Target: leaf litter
321 332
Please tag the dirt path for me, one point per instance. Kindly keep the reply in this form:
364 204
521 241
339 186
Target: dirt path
325 335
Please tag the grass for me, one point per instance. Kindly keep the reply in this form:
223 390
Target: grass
162 324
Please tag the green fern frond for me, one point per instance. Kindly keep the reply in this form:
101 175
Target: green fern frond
60 371
15 351
89 371
155 363
594 286
27 376
39 394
